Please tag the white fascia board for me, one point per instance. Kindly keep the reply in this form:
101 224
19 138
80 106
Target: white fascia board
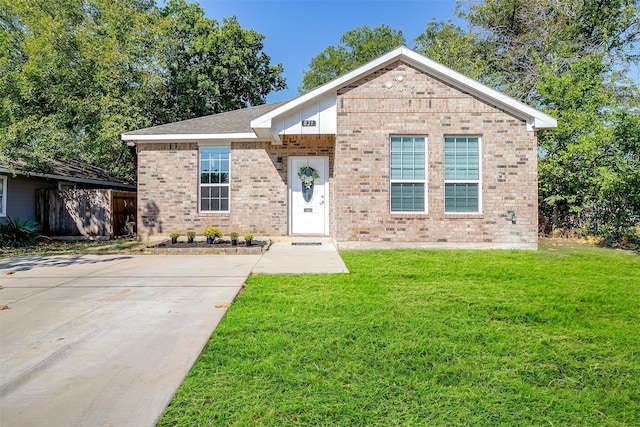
535 119
190 137
545 122
263 132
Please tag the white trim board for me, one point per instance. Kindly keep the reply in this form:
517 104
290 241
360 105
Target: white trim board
190 137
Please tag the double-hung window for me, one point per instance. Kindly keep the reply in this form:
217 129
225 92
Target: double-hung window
462 175
214 179
408 174
3 195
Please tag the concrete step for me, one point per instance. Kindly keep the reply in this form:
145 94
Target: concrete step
301 239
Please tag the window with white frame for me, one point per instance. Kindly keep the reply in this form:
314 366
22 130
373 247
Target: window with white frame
462 174
214 179
3 195
408 173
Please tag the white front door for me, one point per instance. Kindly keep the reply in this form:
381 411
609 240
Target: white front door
309 195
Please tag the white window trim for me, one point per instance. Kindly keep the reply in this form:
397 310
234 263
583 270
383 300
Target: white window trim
465 181
413 181
3 188
213 145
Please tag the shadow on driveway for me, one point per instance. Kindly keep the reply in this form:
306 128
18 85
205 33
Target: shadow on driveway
28 262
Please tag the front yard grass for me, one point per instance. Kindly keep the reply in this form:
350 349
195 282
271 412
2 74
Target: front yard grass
428 338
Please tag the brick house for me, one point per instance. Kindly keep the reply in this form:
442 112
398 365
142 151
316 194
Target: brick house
401 151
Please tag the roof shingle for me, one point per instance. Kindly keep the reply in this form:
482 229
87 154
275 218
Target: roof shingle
71 170
237 121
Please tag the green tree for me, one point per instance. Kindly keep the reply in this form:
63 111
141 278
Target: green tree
75 74
450 45
508 40
73 77
567 58
213 68
356 47
524 35
590 165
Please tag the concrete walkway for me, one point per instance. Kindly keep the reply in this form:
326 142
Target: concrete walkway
306 257
107 340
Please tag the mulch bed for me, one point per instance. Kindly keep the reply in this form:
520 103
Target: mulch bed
220 247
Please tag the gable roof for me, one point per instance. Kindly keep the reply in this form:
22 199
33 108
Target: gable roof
66 170
256 122
535 119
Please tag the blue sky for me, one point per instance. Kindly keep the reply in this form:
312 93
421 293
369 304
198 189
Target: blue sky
297 30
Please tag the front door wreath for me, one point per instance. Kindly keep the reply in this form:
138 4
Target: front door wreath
307 175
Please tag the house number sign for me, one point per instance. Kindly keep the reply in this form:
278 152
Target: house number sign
308 123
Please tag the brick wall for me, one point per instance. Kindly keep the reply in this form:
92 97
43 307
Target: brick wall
168 187
397 100
400 100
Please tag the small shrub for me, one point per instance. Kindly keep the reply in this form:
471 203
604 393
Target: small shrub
15 233
212 232
248 236
191 234
174 234
234 235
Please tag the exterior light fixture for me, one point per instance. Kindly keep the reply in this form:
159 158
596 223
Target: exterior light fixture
279 163
511 216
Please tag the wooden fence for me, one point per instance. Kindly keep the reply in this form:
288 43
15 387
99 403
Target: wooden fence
94 212
124 212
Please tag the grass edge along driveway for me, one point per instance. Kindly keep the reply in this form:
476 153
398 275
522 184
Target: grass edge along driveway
549 337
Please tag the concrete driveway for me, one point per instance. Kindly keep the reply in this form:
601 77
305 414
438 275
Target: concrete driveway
106 340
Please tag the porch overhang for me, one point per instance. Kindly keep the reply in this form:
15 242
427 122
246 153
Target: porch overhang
314 116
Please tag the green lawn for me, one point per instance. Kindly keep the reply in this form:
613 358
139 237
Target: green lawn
428 338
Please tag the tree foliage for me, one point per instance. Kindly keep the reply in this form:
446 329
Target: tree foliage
509 40
356 47
450 45
214 68
568 58
590 165
75 74
72 78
